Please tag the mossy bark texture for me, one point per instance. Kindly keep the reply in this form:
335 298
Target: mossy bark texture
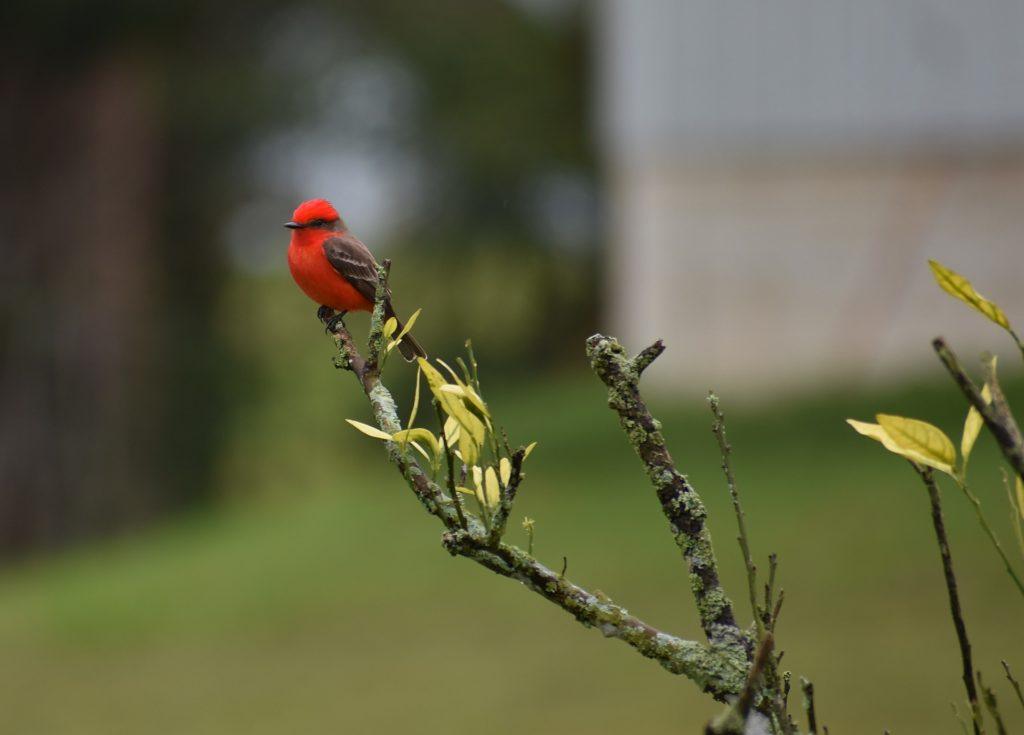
719 668
680 502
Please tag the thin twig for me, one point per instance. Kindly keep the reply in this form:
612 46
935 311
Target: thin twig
1016 511
956 714
776 610
992 705
718 429
1013 682
508 495
951 588
976 505
769 588
450 457
812 718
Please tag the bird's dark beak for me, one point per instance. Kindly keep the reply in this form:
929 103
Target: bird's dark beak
293 225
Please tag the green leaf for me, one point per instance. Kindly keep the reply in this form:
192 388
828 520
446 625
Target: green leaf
505 470
529 449
956 285
371 431
973 424
928 443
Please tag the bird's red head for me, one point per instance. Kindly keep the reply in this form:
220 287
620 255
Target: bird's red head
316 213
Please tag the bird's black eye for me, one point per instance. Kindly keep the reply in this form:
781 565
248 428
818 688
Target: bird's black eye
316 223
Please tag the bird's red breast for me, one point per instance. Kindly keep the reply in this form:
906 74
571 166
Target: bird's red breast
317 277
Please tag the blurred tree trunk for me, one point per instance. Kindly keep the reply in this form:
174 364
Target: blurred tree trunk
77 304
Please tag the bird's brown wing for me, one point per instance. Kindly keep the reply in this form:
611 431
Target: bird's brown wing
354 262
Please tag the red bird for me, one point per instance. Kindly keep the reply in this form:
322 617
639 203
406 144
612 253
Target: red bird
335 269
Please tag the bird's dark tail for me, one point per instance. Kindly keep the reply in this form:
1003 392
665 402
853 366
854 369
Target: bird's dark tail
409 347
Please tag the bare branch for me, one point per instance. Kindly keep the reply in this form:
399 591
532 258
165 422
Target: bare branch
1013 682
992 705
997 416
812 718
954 597
718 429
769 588
680 503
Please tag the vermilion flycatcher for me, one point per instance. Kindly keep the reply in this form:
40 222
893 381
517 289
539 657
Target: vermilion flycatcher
335 269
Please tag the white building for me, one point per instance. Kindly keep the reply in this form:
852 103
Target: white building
780 172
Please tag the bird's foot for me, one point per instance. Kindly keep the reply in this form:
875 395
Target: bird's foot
330 319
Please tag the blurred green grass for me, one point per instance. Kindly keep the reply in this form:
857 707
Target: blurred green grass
318 596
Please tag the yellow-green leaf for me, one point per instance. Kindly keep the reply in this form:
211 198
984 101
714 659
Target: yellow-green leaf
973 424
956 285
876 432
492 493
473 432
529 449
422 451
505 470
450 403
468 447
389 327
370 430
470 395
451 431
419 434
405 330
455 376
1020 497
486 482
931 446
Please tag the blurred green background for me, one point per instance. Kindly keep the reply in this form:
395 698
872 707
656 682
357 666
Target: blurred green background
193 539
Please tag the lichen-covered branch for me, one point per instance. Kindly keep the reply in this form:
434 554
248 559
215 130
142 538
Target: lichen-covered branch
719 668
996 414
717 672
680 503
734 721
